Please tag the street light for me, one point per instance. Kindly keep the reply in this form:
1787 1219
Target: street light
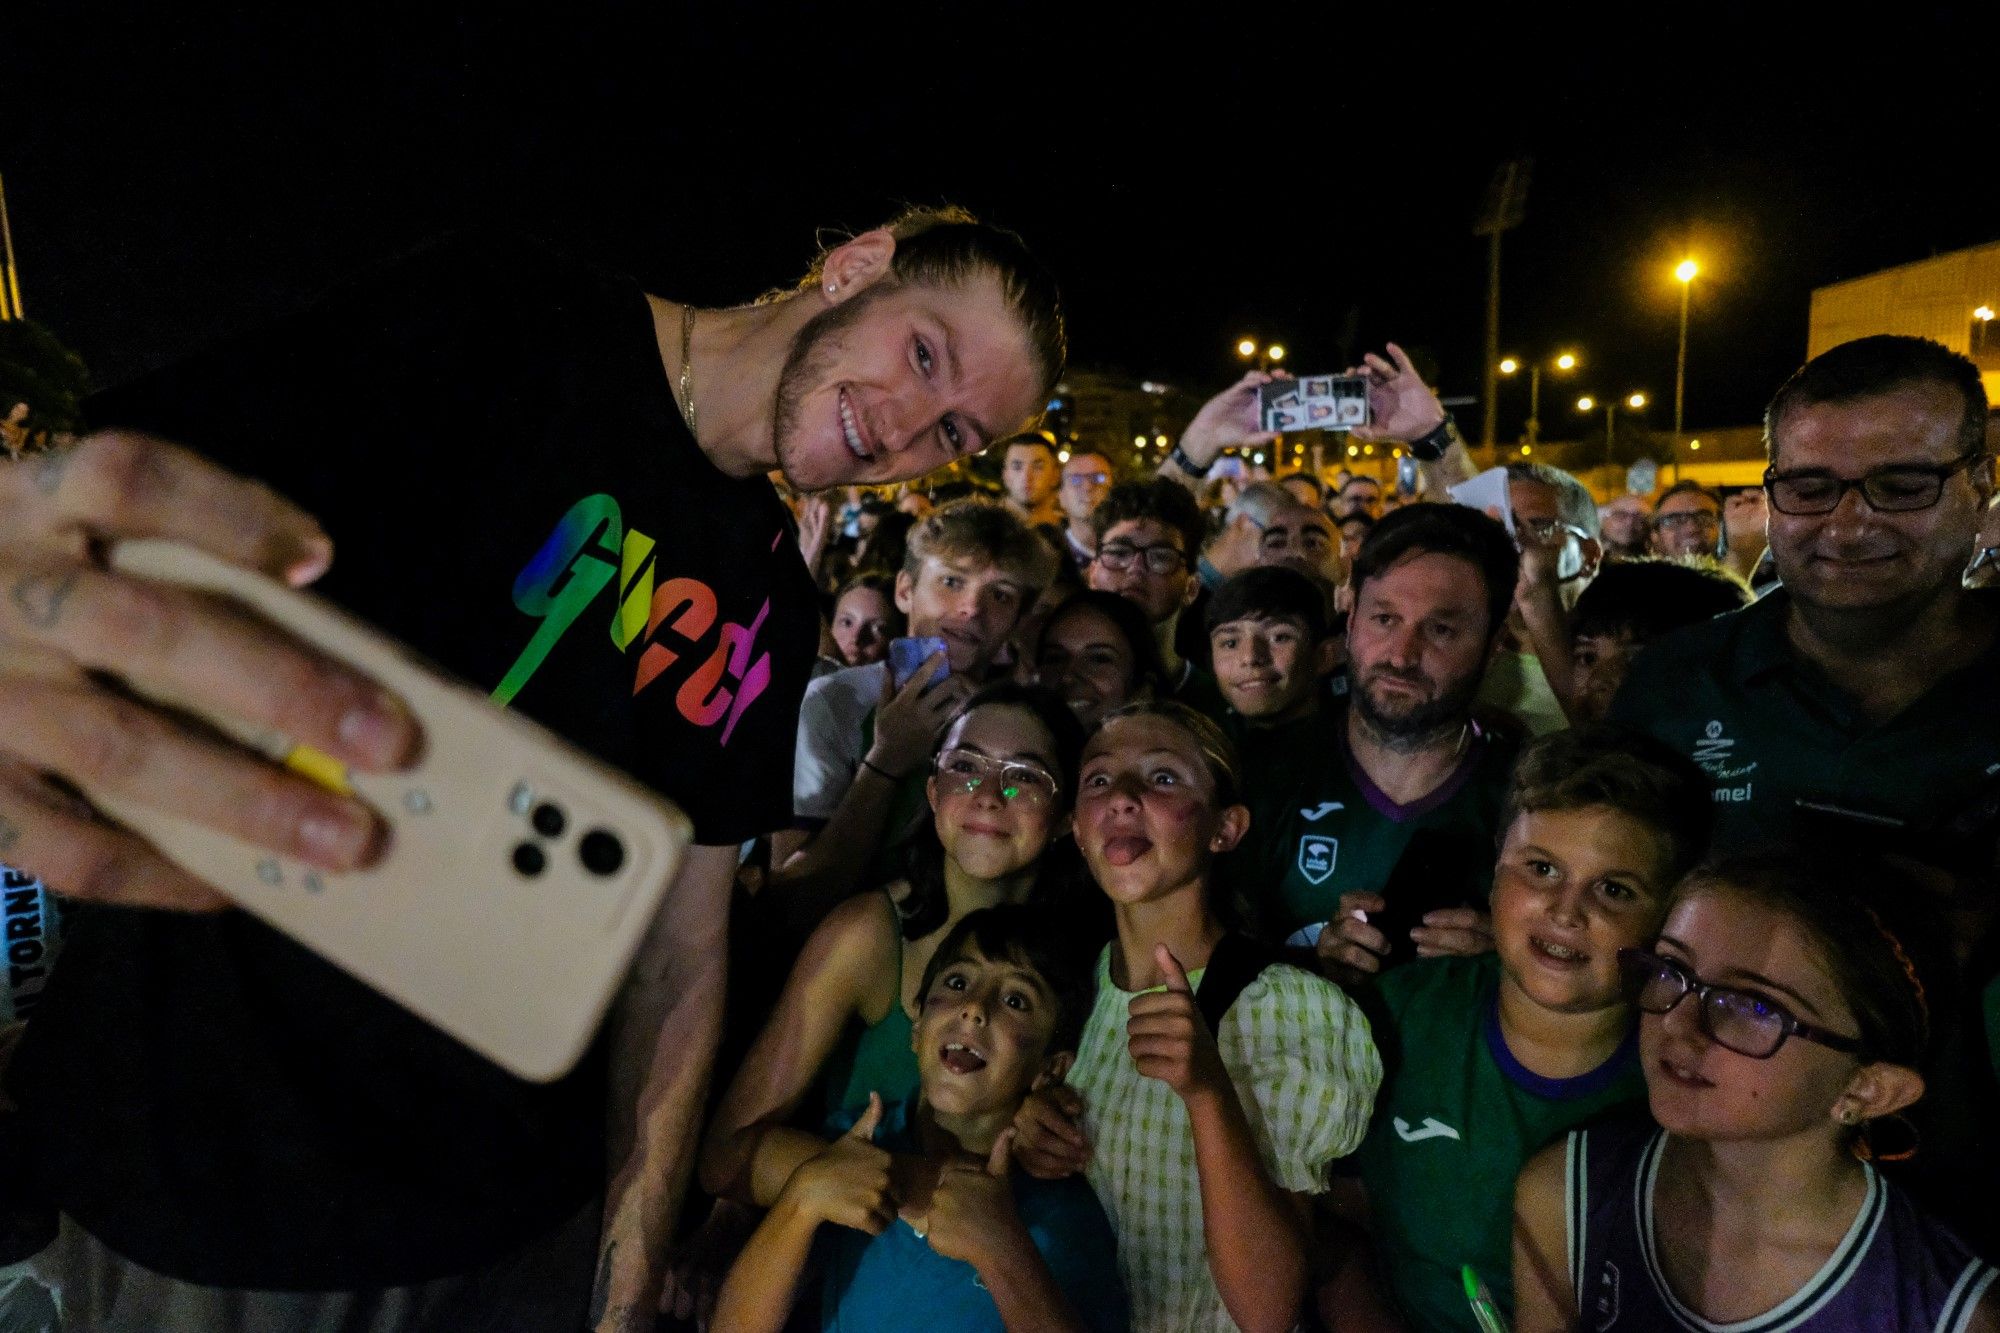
1984 314
1564 362
1264 354
1685 272
1634 402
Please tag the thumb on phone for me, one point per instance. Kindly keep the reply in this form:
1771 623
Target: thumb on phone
998 1161
1177 978
864 1128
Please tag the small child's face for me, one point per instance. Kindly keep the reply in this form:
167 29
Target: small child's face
982 1036
1598 663
1571 889
1266 667
1146 815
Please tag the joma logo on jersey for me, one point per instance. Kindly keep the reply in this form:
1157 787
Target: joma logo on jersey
591 547
1317 855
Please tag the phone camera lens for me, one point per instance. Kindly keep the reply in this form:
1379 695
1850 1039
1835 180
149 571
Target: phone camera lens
548 820
528 859
601 852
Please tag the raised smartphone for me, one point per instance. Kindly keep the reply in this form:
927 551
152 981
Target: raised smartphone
521 874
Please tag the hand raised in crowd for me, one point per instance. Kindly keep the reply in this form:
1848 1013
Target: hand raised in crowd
815 526
909 719
66 616
1168 1038
849 1182
1229 418
1400 405
972 1216
1237 547
1049 1141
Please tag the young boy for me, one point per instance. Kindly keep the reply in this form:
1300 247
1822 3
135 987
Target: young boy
919 1220
1628 605
1489 1057
971 570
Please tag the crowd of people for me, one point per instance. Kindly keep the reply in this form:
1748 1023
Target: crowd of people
1173 902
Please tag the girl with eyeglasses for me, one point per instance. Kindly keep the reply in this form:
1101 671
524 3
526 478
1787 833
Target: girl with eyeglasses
1786 1010
1002 781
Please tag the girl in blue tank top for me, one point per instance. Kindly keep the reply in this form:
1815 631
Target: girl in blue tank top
1004 775
1786 1010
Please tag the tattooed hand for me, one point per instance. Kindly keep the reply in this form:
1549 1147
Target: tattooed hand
71 630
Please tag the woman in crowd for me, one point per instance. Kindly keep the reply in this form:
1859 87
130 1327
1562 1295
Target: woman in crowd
1787 1009
864 619
1097 651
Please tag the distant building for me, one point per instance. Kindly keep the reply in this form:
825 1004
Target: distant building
1951 298
1132 422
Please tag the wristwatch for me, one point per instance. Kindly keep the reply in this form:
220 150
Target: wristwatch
1429 448
1180 460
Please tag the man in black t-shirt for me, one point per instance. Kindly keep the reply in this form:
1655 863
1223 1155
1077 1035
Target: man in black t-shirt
236 1133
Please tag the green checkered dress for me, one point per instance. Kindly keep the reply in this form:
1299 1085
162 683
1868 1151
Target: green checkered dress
1305 1069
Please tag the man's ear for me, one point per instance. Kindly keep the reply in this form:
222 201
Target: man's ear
1193 589
906 591
1593 556
1879 1089
1230 827
1054 1070
856 265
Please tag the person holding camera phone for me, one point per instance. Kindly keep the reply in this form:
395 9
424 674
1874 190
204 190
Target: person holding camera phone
234 1133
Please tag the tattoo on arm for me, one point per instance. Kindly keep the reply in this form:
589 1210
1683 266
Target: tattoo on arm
40 597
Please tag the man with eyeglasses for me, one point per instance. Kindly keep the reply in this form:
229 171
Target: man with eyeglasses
1687 521
1148 538
1086 478
1854 702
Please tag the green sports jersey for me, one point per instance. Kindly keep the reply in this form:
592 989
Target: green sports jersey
1320 828
1456 1119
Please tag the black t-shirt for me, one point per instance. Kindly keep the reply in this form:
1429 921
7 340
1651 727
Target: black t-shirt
488 434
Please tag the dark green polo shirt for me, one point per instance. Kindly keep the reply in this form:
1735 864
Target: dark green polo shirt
1770 729
1319 827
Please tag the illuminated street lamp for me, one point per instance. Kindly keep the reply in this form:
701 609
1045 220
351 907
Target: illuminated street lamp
1562 363
1685 272
1264 354
1634 402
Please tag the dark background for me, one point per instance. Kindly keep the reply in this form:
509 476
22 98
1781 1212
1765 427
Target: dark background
1309 176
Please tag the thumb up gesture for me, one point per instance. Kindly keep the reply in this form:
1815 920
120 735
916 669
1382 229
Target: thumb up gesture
1167 1037
848 1183
972 1210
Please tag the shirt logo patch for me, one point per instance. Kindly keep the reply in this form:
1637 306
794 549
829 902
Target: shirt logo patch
1716 754
1604 1301
1317 855
1432 1128
1322 810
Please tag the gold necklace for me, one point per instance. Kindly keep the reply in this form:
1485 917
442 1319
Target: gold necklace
687 367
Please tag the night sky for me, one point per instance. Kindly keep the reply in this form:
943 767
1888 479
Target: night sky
1310 178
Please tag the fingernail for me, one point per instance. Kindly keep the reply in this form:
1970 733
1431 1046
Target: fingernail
313 561
339 838
376 732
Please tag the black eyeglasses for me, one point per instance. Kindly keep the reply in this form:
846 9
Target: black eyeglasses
1889 490
1739 1020
1687 518
1118 558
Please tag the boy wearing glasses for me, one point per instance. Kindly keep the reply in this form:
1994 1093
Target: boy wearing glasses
1489 1057
1861 687
1148 538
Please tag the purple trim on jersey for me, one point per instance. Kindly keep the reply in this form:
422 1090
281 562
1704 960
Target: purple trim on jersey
1587 1084
1423 805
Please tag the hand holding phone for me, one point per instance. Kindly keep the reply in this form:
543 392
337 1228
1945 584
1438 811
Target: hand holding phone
907 657
520 874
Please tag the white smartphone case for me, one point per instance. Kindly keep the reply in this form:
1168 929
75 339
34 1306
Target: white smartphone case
483 917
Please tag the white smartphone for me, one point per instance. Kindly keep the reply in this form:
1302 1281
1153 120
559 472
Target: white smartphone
520 876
